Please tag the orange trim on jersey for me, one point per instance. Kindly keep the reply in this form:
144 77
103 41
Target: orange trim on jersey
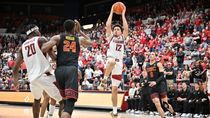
117 77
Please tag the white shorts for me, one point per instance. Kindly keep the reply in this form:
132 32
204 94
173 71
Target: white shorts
115 82
45 83
116 76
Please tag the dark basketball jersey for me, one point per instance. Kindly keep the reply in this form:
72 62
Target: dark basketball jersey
152 71
68 50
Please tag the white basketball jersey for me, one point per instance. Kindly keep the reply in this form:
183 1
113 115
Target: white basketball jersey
208 79
116 47
36 62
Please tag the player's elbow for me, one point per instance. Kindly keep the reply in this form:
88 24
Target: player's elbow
111 62
89 43
14 70
44 49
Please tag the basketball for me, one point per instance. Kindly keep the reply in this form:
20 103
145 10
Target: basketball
118 8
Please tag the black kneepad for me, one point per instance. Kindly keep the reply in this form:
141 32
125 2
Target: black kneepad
69 105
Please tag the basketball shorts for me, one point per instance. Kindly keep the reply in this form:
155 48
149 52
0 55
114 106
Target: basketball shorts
67 81
45 83
116 76
158 89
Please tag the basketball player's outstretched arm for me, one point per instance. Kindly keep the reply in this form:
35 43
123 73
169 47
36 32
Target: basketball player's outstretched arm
18 62
109 23
85 41
49 45
51 53
125 23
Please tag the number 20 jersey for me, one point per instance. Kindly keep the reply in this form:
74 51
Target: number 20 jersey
36 62
116 47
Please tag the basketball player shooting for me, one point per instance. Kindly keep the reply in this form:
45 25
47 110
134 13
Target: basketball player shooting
115 35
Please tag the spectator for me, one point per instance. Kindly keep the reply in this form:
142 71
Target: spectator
89 73
86 85
130 100
180 57
169 74
182 98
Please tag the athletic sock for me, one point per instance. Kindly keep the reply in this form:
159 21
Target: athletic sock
51 109
114 110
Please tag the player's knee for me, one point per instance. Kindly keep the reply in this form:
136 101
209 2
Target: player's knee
166 105
69 106
47 97
36 101
156 102
114 88
111 62
52 101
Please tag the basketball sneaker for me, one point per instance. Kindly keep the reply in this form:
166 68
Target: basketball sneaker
113 114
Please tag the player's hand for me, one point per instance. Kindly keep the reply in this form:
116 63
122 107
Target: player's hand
124 10
77 26
112 9
152 83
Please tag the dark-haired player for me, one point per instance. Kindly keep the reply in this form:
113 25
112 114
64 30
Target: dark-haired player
38 68
66 72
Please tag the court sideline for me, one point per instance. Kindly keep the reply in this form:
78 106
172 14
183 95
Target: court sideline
14 111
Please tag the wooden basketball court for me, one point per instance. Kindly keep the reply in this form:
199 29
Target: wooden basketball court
13 111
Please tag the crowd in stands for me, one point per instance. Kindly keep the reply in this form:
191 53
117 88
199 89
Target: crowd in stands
178 32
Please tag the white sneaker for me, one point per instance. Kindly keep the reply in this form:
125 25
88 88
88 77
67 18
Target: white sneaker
132 111
206 116
179 114
127 111
183 115
137 112
189 115
141 112
196 116
113 114
156 113
167 113
151 113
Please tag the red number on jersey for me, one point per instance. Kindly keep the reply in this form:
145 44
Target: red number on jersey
118 47
30 49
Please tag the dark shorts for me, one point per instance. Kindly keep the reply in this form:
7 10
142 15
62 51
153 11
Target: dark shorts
159 89
67 82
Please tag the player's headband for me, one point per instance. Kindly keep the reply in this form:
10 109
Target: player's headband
32 30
